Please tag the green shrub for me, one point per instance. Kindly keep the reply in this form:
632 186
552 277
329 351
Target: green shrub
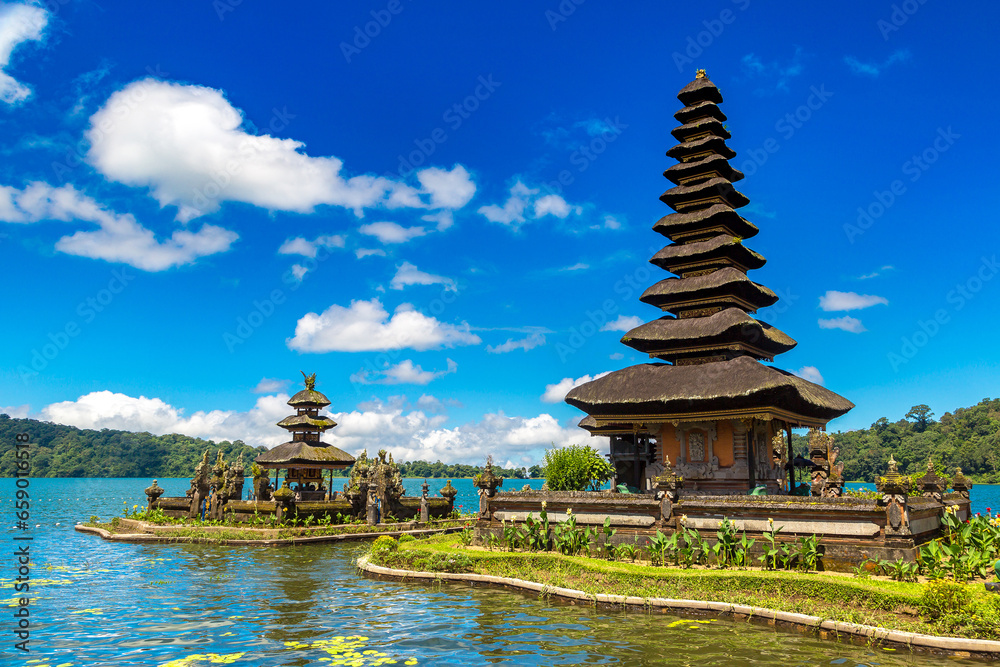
403 539
384 544
943 597
576 468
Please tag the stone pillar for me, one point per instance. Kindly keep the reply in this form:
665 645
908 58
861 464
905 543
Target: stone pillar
153 494
488 483
372 509
448 493
425 513
894 489
284 499
668 490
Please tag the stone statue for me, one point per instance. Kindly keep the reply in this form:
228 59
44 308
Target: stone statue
199 486
310 381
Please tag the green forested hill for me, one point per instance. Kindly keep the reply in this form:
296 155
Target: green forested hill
968 438
66 451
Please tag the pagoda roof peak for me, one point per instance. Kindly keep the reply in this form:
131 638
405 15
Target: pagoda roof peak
700 90
309 396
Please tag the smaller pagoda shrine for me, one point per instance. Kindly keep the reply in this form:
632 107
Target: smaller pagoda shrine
306 456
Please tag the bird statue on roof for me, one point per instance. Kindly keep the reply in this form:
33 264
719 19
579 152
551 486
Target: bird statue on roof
310 380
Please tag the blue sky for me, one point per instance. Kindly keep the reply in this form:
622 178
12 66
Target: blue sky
444 210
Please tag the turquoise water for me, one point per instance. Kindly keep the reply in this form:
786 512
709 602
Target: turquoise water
101 603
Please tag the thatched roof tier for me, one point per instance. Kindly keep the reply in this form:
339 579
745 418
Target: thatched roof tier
301 454
307 423
700 110
717 252
700 90
729 330
712 166
699 148
704 224
309 397
700 127
725 287
738 388
704 194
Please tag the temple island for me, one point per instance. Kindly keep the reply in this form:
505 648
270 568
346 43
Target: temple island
703 432
374 490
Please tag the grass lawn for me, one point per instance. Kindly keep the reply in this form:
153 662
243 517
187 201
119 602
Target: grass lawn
939 608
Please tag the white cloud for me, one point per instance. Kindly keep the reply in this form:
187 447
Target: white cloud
270 386
623 323
120 238
875 274
299 271
611 222
405 372
524 204
529 343
772 76
847 323
555 205
105 409
415 435
19 23
579 266
187 144
834 301
443 219
366 326
361 253
810 373
556 393
390 232
874 69
448 189
409 435
616 356
16 411
408 274
301 246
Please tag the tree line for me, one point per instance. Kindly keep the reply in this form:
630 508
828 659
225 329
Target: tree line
58 450
968 438
66 451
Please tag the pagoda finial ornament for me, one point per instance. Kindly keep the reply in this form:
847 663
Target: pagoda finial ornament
310 380
700 74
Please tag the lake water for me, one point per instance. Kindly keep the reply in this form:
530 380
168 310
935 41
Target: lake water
100 603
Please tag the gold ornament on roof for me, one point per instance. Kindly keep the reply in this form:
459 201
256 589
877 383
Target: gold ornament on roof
700 74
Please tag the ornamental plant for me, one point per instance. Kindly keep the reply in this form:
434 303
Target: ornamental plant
576 468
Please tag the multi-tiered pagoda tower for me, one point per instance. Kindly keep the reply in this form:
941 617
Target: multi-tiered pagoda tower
306 456
712 408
